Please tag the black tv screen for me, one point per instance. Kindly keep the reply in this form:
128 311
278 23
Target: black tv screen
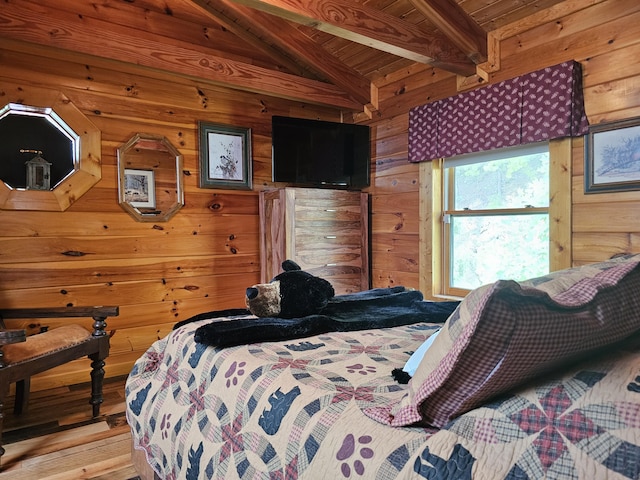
320 154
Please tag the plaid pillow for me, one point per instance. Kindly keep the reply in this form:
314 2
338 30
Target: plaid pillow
507 333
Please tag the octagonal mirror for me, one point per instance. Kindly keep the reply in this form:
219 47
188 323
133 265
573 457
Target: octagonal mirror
150 184
49 151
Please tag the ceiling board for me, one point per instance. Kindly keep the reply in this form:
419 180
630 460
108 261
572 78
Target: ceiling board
328 53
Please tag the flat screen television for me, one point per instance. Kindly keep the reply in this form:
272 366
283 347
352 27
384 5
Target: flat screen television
316 153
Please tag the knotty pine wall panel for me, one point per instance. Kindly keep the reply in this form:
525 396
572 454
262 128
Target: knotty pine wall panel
605 38
394 221
94 253
187 26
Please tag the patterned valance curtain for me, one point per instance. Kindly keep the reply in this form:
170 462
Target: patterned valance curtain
542 105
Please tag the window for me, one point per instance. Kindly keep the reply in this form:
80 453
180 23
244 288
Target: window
494 217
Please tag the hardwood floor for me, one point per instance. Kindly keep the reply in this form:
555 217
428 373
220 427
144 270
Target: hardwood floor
56 439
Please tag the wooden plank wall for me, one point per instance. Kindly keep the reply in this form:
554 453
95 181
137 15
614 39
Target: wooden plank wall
202 259
604 36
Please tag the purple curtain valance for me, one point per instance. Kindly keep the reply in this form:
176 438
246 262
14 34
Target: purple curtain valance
538 106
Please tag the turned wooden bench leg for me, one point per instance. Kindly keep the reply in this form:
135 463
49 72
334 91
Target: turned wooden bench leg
97 362
97 381
22 396
1 425
4 390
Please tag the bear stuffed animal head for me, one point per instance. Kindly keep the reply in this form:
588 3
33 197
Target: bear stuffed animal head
291 294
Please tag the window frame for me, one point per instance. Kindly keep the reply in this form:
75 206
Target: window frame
432 263
448 200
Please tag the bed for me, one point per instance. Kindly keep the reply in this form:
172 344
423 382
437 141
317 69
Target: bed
525 380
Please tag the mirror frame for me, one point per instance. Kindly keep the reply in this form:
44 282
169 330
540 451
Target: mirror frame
88 170
149 142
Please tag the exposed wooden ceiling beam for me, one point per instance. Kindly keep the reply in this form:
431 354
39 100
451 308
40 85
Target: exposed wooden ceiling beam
367 26
127 45
457 26
273 30
220 12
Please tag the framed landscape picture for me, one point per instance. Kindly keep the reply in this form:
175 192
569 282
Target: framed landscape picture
612 157
140 189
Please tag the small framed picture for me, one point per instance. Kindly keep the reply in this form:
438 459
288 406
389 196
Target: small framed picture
140 188
612 157
225 156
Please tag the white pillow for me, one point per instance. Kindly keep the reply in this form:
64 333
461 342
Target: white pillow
416 358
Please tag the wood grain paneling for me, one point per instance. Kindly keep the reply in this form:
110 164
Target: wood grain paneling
94 253
604 37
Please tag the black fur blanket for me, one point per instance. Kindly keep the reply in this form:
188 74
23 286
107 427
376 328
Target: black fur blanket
377 308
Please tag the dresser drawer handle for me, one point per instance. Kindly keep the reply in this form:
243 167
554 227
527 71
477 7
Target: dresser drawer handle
331 265
331 236
330 210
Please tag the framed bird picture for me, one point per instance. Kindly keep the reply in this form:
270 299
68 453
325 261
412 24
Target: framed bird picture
225 156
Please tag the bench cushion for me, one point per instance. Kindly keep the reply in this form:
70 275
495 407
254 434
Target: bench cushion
46 342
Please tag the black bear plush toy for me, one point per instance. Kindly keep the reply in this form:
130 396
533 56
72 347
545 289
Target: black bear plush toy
297 304
293 293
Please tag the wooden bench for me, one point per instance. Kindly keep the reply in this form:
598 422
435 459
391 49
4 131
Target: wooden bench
23 356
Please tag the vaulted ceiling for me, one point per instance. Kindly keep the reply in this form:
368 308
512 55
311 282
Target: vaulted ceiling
322 51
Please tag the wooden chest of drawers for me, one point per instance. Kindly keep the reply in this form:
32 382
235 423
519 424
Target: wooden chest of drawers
325 231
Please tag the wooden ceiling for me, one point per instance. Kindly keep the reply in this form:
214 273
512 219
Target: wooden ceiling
321 51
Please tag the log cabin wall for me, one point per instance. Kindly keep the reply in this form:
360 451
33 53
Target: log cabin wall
205 256
94 253
605 38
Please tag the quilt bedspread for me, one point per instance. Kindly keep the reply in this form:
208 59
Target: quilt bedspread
297 409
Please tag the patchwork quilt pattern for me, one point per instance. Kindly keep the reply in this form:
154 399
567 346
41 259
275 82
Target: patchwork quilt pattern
295 410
